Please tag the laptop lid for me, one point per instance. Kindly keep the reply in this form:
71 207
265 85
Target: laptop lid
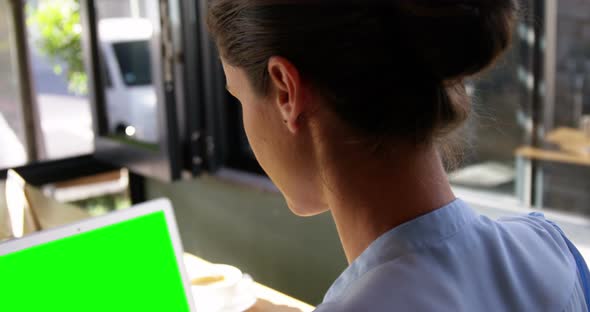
131 260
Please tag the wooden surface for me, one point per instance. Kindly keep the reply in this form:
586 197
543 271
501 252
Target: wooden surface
269 300
554 156
571 141
568 136
574 148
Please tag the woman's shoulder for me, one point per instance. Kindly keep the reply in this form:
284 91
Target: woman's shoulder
532 223
517 263
532 235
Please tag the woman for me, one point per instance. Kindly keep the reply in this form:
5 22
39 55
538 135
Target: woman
348 106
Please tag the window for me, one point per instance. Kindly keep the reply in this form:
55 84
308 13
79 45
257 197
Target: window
134 85
59 79
503 123
513 109
131 102
134 62
541 86
12 129
532 108
564 184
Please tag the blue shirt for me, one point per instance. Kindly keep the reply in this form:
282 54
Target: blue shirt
454 259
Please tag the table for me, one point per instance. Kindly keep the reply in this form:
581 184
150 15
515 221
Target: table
269 300
571 140
553 156
574 149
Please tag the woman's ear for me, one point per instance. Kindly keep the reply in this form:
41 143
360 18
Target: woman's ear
287 92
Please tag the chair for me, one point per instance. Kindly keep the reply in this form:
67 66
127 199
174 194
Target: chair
28 210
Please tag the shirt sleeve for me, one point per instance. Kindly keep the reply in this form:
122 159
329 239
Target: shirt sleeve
577 301
581 296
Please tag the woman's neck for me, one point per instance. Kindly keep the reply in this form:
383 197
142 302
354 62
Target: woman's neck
368 198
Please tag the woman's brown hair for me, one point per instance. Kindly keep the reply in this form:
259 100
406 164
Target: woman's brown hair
388 68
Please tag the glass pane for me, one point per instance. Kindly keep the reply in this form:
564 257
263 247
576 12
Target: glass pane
572 63
134 62
125 34
501 110
12 132
59 77
565 183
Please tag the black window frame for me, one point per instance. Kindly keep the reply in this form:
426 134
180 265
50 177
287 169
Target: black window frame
225 142
105 73
164 163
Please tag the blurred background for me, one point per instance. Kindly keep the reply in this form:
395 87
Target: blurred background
106 103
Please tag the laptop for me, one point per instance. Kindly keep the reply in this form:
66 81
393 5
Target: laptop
131 260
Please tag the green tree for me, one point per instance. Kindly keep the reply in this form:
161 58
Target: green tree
58 24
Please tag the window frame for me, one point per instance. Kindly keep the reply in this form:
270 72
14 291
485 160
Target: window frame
225 136
165 163
28 111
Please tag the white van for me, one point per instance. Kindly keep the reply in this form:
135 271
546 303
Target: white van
127 74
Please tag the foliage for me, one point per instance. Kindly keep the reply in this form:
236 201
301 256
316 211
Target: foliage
101 205
58 23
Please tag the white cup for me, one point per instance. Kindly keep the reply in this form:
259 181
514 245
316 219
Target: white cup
221 287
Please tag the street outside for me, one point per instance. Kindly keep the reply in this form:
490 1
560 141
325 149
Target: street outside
13 152
66 122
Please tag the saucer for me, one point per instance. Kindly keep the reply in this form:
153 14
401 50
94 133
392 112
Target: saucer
239 303
243 299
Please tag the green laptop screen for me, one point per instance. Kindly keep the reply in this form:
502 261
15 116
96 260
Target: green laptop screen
129 266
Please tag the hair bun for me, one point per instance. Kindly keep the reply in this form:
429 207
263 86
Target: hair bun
458 38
